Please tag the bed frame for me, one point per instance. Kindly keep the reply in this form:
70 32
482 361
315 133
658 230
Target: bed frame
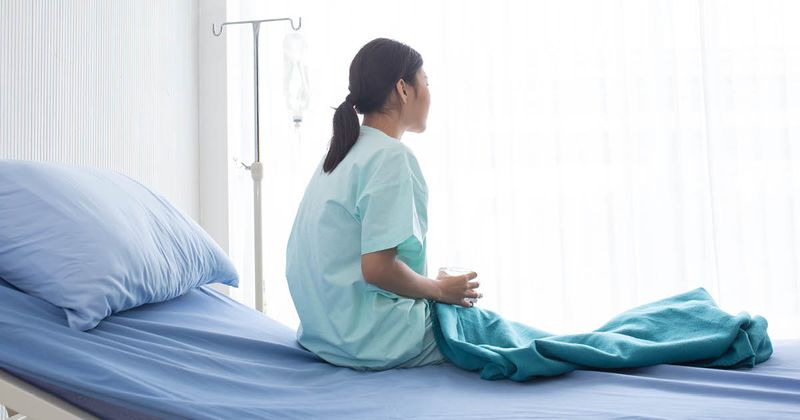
25 401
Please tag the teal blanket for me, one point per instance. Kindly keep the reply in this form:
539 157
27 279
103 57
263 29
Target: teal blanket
686 329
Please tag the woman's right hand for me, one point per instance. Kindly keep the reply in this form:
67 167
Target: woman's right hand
455 289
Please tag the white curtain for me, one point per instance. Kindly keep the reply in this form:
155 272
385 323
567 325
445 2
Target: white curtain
583 157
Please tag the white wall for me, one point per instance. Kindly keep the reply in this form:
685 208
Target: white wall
111 84
213 132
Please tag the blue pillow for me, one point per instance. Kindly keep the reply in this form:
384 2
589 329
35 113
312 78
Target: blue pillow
95 242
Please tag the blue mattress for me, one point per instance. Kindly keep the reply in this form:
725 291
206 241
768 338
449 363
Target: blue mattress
204 355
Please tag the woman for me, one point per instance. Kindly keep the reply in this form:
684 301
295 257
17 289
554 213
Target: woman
356 257
357 270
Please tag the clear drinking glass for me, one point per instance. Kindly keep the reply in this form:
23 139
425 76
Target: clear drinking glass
457 271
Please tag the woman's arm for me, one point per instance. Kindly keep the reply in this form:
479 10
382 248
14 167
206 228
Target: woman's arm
384 270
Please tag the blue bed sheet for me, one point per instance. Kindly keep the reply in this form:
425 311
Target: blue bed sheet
203 355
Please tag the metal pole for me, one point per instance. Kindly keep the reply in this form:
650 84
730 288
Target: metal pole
256 27
256 171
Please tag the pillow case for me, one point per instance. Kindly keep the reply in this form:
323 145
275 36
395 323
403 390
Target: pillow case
94 241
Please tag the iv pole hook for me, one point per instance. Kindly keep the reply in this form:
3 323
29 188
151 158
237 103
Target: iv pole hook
291 22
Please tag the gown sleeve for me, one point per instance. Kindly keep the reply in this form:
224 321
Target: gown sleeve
392 205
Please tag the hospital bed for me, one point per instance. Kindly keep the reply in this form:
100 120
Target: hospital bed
204 355
86 333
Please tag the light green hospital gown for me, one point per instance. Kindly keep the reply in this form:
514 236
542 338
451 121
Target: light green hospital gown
375 199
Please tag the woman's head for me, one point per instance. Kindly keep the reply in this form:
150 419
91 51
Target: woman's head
386 77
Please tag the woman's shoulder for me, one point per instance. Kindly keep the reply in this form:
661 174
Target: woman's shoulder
395 158
389 165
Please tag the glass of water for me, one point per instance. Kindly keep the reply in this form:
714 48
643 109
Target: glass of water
457 271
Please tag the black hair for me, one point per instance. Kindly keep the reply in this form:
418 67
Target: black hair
375 70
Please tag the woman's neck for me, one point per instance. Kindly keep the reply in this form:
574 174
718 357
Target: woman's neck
390 126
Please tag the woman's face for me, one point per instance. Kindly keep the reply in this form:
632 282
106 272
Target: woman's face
415 111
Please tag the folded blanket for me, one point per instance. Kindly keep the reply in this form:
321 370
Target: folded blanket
686 329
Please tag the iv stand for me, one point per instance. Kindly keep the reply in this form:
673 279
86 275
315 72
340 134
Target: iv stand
256 169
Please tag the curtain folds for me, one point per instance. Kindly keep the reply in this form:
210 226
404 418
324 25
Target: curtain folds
583 157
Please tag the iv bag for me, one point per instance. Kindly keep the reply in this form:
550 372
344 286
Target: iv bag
295 75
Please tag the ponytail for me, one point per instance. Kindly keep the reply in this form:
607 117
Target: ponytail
345 133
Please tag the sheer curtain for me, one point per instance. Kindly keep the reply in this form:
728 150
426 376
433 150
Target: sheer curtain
583 157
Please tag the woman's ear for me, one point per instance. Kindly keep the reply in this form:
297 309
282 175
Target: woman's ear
401 91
